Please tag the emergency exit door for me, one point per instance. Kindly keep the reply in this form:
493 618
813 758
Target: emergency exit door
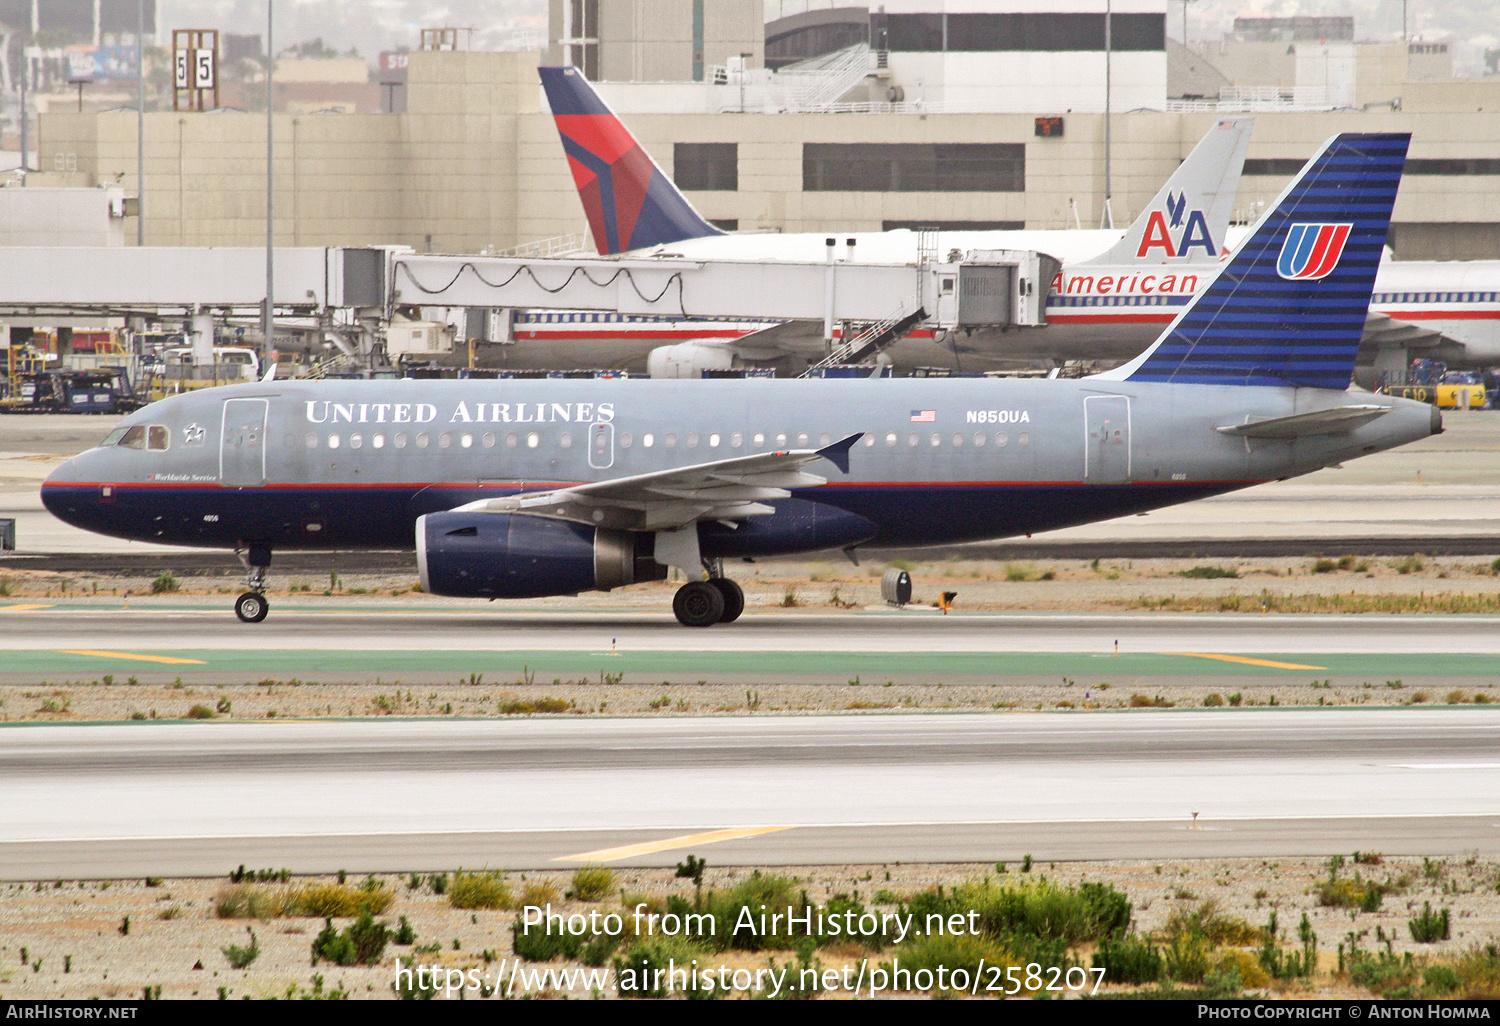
1107 445
242 443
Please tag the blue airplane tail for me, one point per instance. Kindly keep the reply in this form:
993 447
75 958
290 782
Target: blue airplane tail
1289 308
629 202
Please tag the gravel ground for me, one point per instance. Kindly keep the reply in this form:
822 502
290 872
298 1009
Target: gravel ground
67 938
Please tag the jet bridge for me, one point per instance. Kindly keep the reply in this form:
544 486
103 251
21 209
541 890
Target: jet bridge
999 288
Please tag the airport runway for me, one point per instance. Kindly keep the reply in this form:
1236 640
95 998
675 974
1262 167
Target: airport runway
412 795
42 639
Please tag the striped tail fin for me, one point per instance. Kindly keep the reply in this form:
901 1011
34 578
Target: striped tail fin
630 203
1289 308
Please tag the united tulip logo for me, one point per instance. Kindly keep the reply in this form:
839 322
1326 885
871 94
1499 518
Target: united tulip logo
1312 251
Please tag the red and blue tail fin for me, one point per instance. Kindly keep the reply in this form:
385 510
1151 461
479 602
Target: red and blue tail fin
630 203
1289 308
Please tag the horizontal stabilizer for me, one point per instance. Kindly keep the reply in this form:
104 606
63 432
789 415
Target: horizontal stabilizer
1319 422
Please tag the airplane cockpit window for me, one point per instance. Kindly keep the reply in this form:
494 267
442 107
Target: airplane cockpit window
134 437
158 437
113 438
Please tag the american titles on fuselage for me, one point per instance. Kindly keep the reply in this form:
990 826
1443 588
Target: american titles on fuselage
1124 283
327 412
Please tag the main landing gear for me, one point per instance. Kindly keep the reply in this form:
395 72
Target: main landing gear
252 607
705 603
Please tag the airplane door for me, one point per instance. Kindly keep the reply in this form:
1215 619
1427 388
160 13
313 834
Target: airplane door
242 443
602 446
1107 446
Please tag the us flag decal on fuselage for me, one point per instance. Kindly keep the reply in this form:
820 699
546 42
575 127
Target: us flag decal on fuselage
924 416
1312 251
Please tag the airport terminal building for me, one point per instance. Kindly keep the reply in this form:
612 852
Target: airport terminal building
912 114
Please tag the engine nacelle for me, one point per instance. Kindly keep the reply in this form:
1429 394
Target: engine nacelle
688 360
506 555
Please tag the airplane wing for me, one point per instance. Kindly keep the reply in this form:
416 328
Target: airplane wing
1384 330
666 500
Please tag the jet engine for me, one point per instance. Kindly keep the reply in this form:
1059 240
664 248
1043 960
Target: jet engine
506 555
688 360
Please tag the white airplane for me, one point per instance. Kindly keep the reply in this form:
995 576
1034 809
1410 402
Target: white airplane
1111 297
1165 255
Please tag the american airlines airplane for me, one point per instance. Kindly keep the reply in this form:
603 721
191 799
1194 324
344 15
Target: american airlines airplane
633 207
519 489
1110 299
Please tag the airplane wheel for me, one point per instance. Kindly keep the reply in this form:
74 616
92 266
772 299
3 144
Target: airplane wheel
698 604
734 598
251 607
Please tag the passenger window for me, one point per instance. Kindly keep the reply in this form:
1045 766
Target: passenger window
444 440
759 440
781 440
825 438
913 440
1002 439
312 441
511 440
489 440
936 439
355 441
648 439
890 439
669 440
802 439
378 441
401 440
736 440
869 439
713 441
565 440
979 437
422 440
158 437
692 440
958 440
466 440
533 440
134 437
625 439
1023 439
333 441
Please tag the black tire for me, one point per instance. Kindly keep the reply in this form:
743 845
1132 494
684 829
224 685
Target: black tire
734 598
251 607
698 604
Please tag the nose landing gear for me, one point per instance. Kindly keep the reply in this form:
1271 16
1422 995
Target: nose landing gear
705 603
252 607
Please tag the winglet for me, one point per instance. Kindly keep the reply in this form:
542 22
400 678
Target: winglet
630 203
838 452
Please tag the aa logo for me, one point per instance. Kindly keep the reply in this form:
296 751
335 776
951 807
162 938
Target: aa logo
1312 251
1159 232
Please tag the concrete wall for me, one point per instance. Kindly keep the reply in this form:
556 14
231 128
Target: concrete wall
476 164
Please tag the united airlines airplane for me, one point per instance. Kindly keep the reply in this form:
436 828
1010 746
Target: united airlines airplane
517 489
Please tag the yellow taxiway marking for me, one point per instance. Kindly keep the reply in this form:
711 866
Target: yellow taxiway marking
651 847
128 655
22 609
1246 659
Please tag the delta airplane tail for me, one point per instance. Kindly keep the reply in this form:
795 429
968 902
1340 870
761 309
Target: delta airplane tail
1289 308
1187 219
630 203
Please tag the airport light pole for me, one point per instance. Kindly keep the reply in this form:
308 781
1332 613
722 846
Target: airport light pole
1107 216
140 122
268 318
